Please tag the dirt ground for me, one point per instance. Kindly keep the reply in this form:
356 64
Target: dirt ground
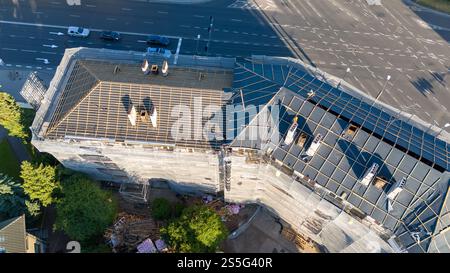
262 236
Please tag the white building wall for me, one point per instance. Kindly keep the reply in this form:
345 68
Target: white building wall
186 171
299 206
258 183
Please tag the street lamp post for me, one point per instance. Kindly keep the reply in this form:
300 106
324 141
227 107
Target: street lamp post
343 77
210 28
384 87
196 48
442 129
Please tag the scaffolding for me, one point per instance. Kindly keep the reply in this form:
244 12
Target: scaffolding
33 90
135 192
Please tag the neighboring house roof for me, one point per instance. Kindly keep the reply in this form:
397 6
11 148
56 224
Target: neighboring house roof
13 235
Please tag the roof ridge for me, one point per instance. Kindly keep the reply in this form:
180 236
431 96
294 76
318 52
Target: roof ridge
254 118
97 80
73 109
13 220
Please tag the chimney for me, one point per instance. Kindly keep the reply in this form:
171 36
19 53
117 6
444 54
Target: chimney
145 67
154 116
314 145
396 189
291 132
144 115
165 68
132 115
369 175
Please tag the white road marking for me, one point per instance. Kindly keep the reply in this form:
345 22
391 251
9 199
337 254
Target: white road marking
65 27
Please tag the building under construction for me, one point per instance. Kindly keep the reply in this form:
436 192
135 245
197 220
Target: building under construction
349 172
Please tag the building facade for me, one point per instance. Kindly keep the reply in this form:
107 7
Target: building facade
353 174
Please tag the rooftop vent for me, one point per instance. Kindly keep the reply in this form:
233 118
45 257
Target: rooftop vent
155 69
144 115
379 182
396 189
369 175
314 145
116 69
350 132
132 115
291 132
302 139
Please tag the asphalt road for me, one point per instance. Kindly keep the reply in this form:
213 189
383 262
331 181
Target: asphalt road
373 41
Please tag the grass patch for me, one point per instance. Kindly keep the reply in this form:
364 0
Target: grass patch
441 5
9 164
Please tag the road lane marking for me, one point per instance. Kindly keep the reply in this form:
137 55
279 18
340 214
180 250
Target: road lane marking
66 27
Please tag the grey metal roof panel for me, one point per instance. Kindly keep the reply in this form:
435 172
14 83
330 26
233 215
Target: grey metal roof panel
354 199
299 166
338 175
332 186
327 168
348 181
321 179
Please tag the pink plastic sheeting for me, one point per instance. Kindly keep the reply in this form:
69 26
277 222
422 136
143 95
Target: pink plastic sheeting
146 246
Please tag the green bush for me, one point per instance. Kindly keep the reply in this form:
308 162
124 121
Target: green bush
161 209
199 229
85 210
177 210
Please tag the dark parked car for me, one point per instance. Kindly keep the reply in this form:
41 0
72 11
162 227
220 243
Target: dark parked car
110 35
158 40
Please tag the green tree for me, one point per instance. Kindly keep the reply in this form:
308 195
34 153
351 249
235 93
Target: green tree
34 208
199 229
39 182
11 116
12 201
84 210
161 209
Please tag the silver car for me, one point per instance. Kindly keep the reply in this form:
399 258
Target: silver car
78 32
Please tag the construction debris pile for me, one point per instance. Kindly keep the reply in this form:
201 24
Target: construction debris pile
303 243
130 230
228 213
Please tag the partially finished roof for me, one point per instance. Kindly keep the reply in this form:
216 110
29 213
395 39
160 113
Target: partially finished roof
96 101
399 149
